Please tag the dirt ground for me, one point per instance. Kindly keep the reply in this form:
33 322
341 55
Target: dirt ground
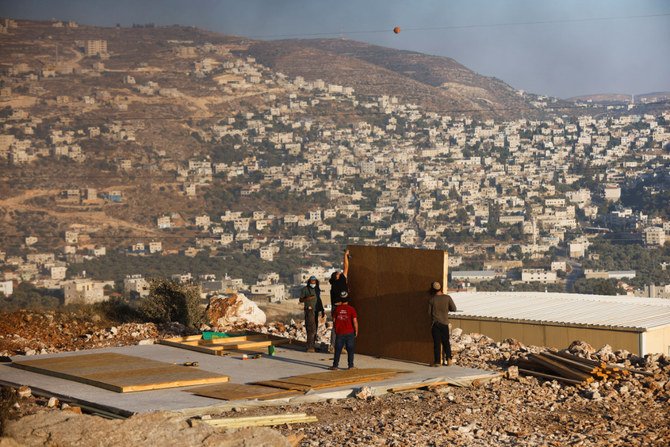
523 411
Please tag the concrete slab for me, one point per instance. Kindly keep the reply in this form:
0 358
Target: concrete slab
286 362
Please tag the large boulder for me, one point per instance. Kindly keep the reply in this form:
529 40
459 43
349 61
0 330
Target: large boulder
234 310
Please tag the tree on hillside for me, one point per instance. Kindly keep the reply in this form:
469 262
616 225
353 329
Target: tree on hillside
170 301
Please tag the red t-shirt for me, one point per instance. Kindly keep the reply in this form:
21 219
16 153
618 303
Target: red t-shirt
344 319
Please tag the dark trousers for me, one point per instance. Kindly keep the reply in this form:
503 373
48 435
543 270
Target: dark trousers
441 340
310 327
348 340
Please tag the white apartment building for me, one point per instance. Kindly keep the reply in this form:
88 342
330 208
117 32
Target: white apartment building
654 236
83 291
538 275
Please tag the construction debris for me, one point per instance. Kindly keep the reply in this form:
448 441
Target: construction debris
258 421
234 310
26 332
572 369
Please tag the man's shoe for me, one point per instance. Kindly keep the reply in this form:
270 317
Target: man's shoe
450 362
434 365
352 367
311 350
333 368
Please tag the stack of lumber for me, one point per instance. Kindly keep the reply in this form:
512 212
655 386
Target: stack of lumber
572 369
330 379
224 346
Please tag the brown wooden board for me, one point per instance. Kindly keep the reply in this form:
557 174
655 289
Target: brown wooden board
330 379
238 391
120 373
389 290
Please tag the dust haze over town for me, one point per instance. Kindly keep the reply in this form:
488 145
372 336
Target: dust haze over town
225 152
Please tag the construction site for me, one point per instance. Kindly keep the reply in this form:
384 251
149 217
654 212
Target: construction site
524 357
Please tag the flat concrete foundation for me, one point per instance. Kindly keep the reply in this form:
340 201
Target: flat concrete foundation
287 361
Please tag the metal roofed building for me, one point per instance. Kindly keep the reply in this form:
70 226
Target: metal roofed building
473 275
639 325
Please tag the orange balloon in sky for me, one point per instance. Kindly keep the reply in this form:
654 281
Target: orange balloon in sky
396 29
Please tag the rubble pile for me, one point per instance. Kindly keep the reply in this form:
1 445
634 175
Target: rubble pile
69 427
26 332
225 312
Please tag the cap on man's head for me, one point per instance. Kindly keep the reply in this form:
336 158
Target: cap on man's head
436 285
312 278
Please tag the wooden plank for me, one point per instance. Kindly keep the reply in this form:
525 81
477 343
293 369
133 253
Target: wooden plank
120 373
184 339
215 350
231 340
418 386
238 391
358 372
303 384
283 385
260 421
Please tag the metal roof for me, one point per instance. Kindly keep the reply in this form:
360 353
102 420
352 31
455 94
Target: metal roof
463 273
567 309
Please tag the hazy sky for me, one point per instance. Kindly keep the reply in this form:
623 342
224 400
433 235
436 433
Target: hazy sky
624 55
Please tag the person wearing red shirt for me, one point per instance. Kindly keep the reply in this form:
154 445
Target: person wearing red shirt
345 321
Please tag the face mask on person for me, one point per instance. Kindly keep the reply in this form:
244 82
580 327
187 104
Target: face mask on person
312 285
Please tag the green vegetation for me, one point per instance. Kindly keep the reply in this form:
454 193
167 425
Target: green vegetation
598 287
27 296
651 195
172 301
645 261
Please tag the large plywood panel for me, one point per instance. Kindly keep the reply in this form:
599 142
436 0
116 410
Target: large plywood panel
389 289
120 373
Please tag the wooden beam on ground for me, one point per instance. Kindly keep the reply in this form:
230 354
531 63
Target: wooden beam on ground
215 350
261 421
419 386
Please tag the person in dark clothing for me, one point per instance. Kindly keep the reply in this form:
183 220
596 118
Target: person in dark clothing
339 287
338 281
310 297
346 330
439 307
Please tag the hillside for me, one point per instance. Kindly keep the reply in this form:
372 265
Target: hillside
434 82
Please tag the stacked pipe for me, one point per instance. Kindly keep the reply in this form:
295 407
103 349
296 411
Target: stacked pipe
571 369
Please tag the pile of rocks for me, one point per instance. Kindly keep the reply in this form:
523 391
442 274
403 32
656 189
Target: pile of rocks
29 333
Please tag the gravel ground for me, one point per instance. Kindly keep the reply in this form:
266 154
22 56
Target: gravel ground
521 411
